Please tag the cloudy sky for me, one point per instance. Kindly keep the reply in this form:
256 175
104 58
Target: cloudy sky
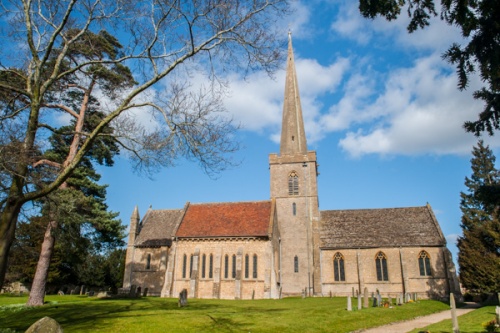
381 108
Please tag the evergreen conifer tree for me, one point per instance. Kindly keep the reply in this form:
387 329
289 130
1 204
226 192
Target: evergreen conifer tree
479 247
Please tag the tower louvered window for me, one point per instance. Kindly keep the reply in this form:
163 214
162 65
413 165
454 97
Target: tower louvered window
211 267
338 267
294 209
424 263
293 183
381 265
148 261
296 264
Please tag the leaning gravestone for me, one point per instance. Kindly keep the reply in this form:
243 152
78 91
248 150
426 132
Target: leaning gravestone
349 303
82 290
183 298
359 302
45 325
454 319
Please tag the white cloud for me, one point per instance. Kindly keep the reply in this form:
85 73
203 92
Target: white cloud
419 111
452 238
350 24
256 102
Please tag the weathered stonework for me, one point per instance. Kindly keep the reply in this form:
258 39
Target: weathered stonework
286 246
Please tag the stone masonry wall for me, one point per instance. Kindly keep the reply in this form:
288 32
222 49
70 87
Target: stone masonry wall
403 271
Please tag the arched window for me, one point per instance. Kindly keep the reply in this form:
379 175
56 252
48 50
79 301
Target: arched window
293 183
296 264
254 266
211 267
184 264
233 271
148 261
338 267
424 263
226 266
381 265
247 266
191 266
294 209
203 263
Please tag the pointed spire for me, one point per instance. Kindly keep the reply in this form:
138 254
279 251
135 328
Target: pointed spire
293 137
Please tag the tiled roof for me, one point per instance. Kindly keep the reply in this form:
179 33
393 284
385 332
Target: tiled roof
389 227
235 219
158 227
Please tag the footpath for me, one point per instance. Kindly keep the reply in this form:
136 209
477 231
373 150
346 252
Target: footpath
410 325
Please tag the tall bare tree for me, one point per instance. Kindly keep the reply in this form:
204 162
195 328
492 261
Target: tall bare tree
162 41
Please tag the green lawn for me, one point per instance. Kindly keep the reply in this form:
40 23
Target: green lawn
471 322
152 314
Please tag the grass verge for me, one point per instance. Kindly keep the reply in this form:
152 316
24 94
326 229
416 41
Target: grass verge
471 322
152 314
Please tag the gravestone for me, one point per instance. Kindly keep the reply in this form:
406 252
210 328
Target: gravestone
132 290
82 290
45 325
389 299
365 298
497 311
375 301
400 299
183 298
379 300
145 293
352 291
60 293
359 302
330 294
138 293
407 298
304 293
349 303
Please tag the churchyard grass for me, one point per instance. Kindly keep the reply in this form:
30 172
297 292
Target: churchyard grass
471 322
154 314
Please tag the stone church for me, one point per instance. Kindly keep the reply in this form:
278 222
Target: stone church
286 246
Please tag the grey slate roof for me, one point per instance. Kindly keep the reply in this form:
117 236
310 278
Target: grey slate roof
158 227
387 227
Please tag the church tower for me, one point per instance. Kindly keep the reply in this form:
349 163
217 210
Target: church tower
294 187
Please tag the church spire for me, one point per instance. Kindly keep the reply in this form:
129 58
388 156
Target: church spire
293 137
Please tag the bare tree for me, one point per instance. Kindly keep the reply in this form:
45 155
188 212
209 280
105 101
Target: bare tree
55 48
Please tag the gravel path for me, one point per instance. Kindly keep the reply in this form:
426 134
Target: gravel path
408 326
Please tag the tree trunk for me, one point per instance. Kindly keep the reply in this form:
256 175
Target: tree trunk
7 233
37 293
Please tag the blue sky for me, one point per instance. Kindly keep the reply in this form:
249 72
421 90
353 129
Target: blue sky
381 109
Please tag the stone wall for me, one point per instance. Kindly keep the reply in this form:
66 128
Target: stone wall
402 267
152 277
220 286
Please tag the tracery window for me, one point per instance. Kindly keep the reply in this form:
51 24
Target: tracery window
226 266
296 264
381 265
233 271
424 263
293 183
338 267
148 261
254 266
211 267
203 264
247 266
184 264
